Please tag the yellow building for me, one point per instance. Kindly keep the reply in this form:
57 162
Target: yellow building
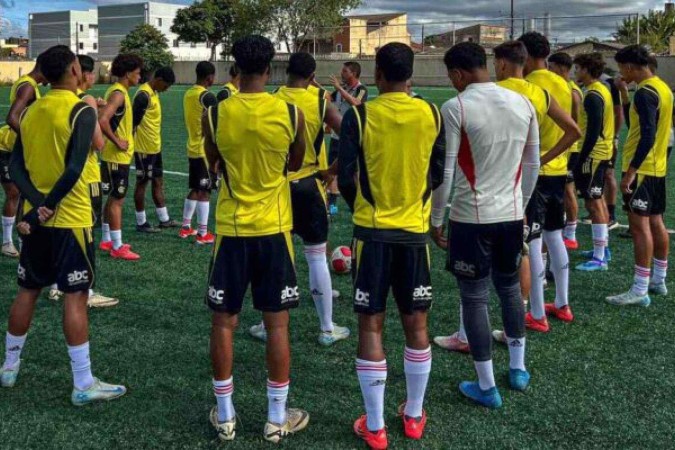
363 35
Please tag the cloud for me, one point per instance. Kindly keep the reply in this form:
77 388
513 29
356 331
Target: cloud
7 3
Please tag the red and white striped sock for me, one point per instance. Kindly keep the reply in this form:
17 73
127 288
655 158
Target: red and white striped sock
223 390
570 230
660 270
277 394
417 367
599 240
640 280
373 379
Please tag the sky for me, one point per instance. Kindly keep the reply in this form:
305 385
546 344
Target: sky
14 13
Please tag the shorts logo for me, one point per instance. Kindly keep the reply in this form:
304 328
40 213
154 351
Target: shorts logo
640 204
536 228
105 186
422 293
465 269
216 296
204 182
361 298
78 277
290 294
121 189
596 191
21 272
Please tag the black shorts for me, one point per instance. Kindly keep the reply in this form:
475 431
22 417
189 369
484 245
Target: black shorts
4 167
96 200
310 217
64 256
334 150
648 197
571 164
201 178
589 179
115 179
477 250
265 262
546 210
148 166
378 266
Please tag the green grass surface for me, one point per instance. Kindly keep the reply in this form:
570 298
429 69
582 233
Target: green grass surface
605 381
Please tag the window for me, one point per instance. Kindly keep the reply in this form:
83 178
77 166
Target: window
95 46
159 22
81 45
176 44
338 48
81 28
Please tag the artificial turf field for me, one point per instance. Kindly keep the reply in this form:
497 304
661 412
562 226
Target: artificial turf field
606 381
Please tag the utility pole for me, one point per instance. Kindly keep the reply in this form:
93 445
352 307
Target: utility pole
512 21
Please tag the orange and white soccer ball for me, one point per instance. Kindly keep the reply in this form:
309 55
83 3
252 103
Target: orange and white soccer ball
341 260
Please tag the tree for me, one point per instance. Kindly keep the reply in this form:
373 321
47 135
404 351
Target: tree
656 28
150 44
210 21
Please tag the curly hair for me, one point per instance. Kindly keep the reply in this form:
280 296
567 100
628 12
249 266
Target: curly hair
125 63
536 44
395 61
253 54
54 62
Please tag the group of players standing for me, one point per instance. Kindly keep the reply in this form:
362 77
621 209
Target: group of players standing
502 147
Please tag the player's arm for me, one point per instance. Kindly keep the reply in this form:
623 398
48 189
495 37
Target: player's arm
622 88
576 105
208 99
224 94
140 107
209 126
569 127
594 107
333 118
354 100
98 141
115 102
618 110
646 103
530 160
297 151
438 153
25 95
20 176
348 157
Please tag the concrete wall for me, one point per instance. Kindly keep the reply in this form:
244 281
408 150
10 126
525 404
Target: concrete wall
10 71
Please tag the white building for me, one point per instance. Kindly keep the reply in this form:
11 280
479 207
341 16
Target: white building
76 29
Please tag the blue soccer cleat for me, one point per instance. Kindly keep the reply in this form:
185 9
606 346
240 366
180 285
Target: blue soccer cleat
97 392
594 265
489 398
519 379
588 254
8 376
629 299
333 209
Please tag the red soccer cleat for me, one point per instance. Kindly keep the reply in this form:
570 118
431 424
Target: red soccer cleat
564 314
570 244
125 253
105 246
376 440
186 232
413 427
533 324
208 238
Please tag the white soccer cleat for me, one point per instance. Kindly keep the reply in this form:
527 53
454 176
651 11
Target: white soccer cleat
258 331
629 299
658 288
97 300
54 295
97 392
338 334
336 294
499 336
225 430
296 420
8 249
8 376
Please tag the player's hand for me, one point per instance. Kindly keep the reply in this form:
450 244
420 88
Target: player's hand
327 177
44 214
626 182
620 83
23 228
336 82
101 102
439 237
123 145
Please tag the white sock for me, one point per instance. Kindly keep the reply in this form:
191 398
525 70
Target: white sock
640 280
116 236
462 331
223 391
105 228
162 214
277 394
486 376
516 352
13 347
560 265
91 292
599 240
81 366
417 367
188 211
54 287
660 270
7 228
140 217
320 284
203 217
538 275
373 379
570 231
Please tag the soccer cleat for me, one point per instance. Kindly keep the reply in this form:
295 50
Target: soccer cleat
296 420
519 379
629 299
225 430
452 343
336 294
593 265
8 249
169 224
571 244
658 288
499 336
125 253
376 440
333 210
612 225
186 232
489 398
564 314
586 220
105 246
206 239
54 295
147 228
258 331
540 325
97 300
8 376
588 254
98 391
413 427
328 338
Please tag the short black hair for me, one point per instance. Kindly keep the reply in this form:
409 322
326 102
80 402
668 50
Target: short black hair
234 71
395 60
87 63
354 67
467 56
204 69
561 59
634 54
594 63
301 65
253 54
536 44
512 51
125 63
166 74
653 63
54 62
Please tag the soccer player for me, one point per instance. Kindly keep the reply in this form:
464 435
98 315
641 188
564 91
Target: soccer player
148 155
47 165
348 92
253 224
493 142
202 177
644 174
231 87
546 213
23 93
308 195
116 120
595 155
611 186
392 153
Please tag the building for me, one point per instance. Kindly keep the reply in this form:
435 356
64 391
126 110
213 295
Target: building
76 29
607 49
483 34
14 48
